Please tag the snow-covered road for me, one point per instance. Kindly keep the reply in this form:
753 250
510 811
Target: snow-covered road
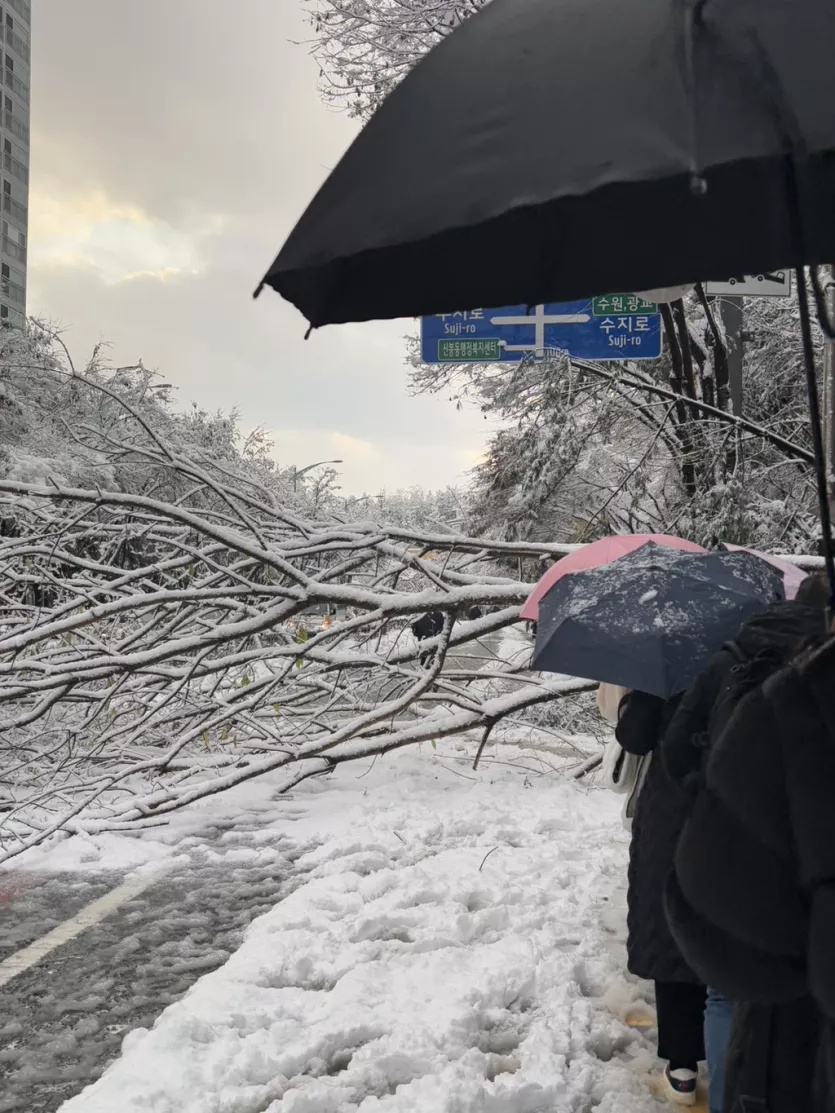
446 941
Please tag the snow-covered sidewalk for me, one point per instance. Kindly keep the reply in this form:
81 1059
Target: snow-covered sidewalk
453 948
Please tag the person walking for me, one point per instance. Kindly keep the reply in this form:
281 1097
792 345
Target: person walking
763 645
751 901
653 954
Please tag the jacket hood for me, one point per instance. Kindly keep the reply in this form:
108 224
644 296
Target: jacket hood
782 628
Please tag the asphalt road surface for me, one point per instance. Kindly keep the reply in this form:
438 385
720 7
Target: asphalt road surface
63 1020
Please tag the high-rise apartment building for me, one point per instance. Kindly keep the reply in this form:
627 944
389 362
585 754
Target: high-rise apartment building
15 23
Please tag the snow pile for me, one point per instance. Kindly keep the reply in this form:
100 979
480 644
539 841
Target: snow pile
452 947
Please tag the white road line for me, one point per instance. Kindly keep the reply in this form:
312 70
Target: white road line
94 913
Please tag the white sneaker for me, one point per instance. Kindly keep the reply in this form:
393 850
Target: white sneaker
680 1086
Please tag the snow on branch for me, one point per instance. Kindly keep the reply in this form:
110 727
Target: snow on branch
176 619
365 47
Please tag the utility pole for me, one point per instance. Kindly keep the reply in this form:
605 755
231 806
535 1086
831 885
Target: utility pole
730 310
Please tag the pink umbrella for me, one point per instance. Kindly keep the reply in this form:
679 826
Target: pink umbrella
599 552
793 576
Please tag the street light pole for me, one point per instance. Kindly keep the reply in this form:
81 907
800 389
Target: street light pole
303 471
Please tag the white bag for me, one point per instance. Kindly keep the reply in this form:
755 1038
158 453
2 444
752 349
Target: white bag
621 771
609 699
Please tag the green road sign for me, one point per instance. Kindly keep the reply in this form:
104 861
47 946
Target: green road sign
460 351
621 303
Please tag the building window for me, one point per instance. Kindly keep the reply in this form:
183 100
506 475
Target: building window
11 317
9 63
8 273
12 233
7 187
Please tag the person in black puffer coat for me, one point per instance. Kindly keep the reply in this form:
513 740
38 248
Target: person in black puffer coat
752 898
764 645
653 953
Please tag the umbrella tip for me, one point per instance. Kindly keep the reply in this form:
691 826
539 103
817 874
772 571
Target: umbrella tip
258 290
309 330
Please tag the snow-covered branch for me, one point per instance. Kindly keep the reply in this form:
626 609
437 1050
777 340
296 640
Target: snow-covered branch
187 624
176 617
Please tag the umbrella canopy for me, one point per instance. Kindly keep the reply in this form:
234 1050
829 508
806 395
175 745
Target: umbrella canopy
652 619
551 151
603 551
793 576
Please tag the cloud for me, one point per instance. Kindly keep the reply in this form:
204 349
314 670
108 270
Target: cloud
304 446
472 457
117 239
362 450
370 467
174 147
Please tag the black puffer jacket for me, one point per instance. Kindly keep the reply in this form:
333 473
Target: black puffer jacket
768 642
752 898
659 816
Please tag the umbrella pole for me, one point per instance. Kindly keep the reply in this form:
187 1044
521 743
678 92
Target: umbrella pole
795 146
817 432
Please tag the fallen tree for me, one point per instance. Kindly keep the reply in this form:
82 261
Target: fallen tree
154 651
190 623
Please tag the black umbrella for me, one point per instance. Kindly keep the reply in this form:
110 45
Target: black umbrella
550 150
651 620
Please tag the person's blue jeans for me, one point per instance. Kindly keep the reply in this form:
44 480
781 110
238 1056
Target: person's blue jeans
719 1012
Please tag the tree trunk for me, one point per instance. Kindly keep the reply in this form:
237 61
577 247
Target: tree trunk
688 471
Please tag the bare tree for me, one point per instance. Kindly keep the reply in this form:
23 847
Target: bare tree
176 620
585 448
588 449
365 47
159 647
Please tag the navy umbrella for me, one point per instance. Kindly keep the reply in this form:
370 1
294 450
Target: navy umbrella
651 620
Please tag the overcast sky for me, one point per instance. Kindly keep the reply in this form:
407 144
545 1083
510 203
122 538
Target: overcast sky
174 144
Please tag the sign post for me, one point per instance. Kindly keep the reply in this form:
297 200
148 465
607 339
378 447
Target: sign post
829 386
614 327
730 310
773 284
